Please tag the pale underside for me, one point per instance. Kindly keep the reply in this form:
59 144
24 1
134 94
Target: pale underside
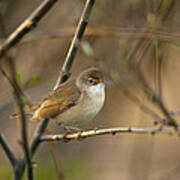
71 107
90 103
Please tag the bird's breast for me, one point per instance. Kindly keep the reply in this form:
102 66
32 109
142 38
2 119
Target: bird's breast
90 103
96 97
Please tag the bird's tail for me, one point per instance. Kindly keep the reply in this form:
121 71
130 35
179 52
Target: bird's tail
30 112
17 115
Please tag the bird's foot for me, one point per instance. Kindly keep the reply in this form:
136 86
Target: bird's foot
79 136
65 139
70 130
96 129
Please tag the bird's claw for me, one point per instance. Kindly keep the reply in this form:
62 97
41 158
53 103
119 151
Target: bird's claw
79 137
65 139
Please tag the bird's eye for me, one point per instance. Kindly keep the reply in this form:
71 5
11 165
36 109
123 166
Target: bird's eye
90 81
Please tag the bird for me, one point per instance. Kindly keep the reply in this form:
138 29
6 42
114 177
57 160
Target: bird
75 101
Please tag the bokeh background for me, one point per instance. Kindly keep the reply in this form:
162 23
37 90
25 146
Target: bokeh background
113 32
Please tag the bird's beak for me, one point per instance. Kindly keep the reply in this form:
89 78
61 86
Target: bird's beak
105 80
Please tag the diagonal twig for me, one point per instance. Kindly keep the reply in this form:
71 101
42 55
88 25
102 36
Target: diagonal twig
14 38
65 71
64 75
23 29
7 149
158 68
19 164
144 108
38 133
16 86
162 13
26 26
23 120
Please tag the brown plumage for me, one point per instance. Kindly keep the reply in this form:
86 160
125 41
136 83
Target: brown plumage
74 99
58 101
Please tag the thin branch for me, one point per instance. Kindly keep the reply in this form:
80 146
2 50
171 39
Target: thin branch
64 75
16 86
24 137
155 98
65 71
38 133
19 165
26 26
13 39
9 152
15 162
162 12
144 108
23 120
158 69
66 67
111 131
19 169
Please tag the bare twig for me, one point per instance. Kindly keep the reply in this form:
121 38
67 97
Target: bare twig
65 71
162 12
157 69
16 86
19 166
19 169
144 108
155 98
14 38
140 104
23 123
66 67
26 26
64 75
39 131
113 131
7 149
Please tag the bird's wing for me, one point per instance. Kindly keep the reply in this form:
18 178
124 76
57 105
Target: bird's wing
64 97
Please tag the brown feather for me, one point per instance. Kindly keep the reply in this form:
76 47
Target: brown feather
65 96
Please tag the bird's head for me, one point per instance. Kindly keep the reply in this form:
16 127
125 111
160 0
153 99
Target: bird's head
91 78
